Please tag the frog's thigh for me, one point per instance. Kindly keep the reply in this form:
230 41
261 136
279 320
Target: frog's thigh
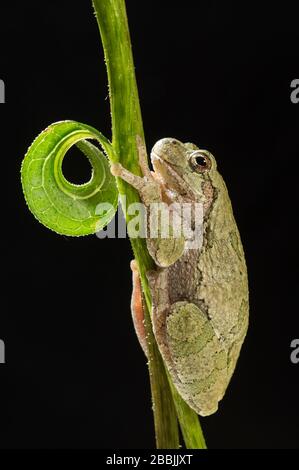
198 357
137 307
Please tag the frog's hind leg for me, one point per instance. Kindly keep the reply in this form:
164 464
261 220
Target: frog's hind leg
158 282
137 308
199 359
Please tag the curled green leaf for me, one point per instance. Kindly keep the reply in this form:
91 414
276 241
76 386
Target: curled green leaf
67 208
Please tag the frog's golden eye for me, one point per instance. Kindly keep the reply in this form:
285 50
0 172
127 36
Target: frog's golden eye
199 161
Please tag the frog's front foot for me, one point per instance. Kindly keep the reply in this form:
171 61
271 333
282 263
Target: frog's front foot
134 180
116 169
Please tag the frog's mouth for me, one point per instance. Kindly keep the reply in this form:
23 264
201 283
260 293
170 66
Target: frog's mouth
170 178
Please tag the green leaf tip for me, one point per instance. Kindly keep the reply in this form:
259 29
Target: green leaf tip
64 207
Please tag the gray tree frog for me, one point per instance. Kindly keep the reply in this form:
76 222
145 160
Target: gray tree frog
199 296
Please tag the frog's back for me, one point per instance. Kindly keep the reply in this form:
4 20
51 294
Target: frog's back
214 279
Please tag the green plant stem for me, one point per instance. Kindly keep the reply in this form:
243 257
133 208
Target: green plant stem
126 125
189 422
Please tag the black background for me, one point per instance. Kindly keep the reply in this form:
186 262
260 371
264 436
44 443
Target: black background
208 72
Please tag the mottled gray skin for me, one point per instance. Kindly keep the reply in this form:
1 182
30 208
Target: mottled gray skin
200 296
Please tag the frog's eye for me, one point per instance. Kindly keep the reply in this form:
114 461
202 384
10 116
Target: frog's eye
199 162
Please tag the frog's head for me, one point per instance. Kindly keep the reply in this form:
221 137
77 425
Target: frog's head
183 168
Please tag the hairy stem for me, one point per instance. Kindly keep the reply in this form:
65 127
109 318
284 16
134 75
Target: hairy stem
168 406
